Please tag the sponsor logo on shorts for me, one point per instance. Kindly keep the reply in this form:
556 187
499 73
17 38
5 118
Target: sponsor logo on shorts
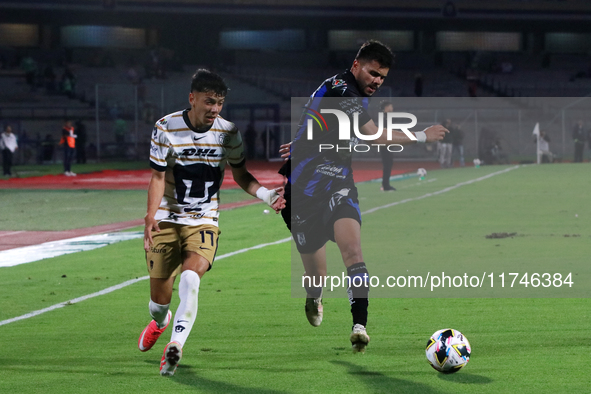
301 239
161 250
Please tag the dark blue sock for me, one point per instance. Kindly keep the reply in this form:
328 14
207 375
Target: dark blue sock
313 291
358 292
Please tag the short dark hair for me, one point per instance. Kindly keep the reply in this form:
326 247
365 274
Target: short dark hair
384 104
375 50
207 81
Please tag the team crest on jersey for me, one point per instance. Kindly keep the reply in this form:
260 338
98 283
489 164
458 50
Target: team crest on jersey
337 83
155 131
224 139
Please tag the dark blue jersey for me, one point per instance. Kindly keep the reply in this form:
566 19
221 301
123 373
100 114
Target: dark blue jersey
316 173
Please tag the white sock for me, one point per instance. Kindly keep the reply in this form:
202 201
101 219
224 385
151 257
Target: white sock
159 313
187 311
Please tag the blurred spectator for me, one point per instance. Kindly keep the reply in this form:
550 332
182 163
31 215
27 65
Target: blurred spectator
472 79
445 146
546 60
8 145
506 67
486 141
269 139
114 111
418 85
29 66
120 130
92 151
142 92
149 113
49 79
68 140
47 148
26 145
544 148
386 156
250 138
498 154
133 75
69 83
579 137
457 142
80 129
155 65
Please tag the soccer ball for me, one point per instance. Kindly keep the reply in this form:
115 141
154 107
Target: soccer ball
421 172
448 350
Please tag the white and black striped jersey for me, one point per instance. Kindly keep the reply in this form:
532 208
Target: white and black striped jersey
194 161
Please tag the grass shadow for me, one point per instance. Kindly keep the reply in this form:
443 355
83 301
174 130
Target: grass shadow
465 378
187 376
377 382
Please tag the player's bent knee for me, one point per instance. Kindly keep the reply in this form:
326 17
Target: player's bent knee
195 262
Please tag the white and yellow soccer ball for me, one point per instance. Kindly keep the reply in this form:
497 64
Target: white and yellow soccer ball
448 350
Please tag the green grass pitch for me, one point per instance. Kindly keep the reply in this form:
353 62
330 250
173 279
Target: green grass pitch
251 335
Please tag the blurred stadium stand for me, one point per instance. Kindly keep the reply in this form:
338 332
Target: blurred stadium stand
132 59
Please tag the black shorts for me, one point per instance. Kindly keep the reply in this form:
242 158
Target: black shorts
312 221
286 212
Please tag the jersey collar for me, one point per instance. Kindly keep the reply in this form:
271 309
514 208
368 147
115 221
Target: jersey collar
352 82
188 122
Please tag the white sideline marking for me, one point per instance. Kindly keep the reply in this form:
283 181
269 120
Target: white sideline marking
418 183
72 301
122 285
447 189
11 233
130 282
28 254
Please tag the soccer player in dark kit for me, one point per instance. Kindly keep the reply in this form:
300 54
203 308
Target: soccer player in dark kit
321 193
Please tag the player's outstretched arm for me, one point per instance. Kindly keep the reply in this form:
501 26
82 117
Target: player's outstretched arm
155 194
249 184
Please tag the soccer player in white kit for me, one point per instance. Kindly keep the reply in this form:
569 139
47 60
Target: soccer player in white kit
188 153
